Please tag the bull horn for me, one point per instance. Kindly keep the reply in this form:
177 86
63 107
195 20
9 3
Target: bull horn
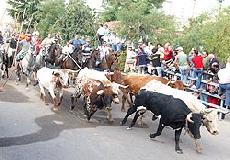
188 118
100 92
124 74
223 110
208 110
123 86
110 73
73 71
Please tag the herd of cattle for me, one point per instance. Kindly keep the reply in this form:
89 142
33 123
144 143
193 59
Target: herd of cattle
164 98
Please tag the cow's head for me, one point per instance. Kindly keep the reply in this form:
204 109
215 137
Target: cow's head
117 88
194 122
211 118
103 99
178 84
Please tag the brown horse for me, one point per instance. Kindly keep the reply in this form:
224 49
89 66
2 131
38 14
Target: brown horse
109 62
53 55
78 60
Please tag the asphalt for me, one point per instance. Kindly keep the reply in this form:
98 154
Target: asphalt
30 130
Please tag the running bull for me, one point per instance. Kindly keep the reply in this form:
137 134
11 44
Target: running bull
173 111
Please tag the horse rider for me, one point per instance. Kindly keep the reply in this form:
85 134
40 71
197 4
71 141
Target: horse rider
25 46
46 43
87 48
75 42
103 50
68 49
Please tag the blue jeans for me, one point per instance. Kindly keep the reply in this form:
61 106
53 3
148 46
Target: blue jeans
184 73
198 76
226 87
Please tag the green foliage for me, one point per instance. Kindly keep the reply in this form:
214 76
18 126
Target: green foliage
208 32
49 14
24 10
157 26
75 18
115 6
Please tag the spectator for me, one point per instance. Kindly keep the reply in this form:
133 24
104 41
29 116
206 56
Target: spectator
198 68
181 60
130 62
168 54
224 81
100 33
156 58
206 64
106 33
141 60
190 63
213 64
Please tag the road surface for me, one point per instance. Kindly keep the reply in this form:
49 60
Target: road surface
29 130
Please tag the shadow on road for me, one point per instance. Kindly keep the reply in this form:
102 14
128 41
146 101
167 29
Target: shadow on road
11 94
52 125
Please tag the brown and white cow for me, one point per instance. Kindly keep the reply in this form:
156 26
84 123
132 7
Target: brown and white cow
96 96
54 80
136 81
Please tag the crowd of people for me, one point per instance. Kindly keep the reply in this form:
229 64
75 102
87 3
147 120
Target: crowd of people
192 68
144 59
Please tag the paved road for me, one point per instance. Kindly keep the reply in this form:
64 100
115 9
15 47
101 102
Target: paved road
29 130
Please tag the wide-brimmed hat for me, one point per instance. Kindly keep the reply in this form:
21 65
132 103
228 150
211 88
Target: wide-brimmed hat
179 48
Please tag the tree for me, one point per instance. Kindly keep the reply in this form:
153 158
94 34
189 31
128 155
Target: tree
49 15
139 19
74 18
78 19
113 7
209 31
24 11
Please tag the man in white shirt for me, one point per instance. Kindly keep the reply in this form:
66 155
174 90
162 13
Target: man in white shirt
100 33
224 80
131 60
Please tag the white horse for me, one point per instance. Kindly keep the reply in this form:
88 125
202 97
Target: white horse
26 66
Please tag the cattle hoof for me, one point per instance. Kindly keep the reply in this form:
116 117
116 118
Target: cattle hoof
129 128
71 108
122 110
54 109
179 151
122 123
152 135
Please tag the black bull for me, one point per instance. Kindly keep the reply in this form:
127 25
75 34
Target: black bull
173 111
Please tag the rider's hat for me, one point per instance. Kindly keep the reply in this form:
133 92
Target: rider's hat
88 40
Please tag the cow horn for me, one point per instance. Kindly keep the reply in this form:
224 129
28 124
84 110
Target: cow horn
110 73
100 92
208 110
223 110
73 71
123 86
124 74
188 118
